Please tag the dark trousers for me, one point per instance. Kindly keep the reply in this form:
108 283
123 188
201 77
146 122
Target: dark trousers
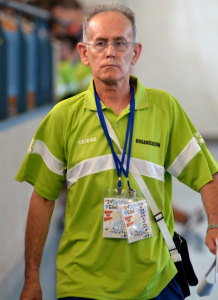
171 292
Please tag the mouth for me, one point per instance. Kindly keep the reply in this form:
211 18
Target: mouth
109 66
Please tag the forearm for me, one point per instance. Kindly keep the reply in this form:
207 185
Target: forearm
209 194
38 222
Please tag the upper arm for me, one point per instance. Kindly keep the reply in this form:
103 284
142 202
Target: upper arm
40 207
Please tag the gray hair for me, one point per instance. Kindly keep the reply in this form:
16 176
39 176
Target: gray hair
91 12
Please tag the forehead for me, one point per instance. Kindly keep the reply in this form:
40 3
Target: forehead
109 25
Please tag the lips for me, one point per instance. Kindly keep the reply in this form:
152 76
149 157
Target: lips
105 66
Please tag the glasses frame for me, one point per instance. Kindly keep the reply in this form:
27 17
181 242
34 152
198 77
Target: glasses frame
106 45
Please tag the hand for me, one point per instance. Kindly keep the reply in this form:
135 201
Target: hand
31 291
210 240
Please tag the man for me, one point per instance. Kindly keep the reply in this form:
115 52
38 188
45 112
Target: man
70 143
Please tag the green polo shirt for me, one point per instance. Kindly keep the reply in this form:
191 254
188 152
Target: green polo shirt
70 145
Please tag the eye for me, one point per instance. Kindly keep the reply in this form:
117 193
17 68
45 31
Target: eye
120 43
100 44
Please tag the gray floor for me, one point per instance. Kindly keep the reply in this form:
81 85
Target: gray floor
183 197
11 288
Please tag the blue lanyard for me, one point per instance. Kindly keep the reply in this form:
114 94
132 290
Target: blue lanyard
129 133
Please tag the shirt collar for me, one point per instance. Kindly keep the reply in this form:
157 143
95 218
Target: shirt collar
141 98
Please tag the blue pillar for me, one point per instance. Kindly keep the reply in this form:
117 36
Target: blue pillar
49 71
22 61
44 89
38 63
3 75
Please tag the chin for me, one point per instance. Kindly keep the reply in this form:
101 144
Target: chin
110 80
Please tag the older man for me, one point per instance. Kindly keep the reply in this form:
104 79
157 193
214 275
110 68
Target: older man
73 143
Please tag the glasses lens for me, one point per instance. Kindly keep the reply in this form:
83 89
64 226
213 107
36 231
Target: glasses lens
99 46
120 45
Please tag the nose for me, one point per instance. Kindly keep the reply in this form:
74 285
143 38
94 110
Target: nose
110 51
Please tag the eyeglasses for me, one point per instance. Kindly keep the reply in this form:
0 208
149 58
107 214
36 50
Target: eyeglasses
117 45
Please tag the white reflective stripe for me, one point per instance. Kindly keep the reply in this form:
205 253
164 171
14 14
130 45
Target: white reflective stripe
106 162
89 167
147 168
54 164
184 157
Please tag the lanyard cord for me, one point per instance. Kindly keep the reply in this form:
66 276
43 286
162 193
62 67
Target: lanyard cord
129 134
132 114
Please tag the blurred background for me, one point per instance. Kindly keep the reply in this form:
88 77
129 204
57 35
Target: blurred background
39 66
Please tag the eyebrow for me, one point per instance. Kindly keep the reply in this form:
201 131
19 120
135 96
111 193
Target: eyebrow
115 39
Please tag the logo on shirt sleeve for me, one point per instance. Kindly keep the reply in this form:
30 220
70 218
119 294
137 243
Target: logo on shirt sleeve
30 149
198 138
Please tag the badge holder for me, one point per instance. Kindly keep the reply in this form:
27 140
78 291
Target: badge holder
125 215
136 220
206 288
113 225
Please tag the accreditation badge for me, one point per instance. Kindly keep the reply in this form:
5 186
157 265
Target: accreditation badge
113 224
125 216
136 219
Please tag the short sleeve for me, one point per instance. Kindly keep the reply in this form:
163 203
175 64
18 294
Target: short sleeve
187 157
44 164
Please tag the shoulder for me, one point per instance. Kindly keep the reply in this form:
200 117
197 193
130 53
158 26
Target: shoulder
154 97
162 99
67 107
63 114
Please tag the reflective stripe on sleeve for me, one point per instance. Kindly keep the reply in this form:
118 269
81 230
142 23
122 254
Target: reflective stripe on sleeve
104 163
54 164
184 157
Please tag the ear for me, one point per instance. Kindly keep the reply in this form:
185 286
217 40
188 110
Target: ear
137 52
81 47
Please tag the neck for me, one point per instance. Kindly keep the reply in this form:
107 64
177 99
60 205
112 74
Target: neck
116 96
